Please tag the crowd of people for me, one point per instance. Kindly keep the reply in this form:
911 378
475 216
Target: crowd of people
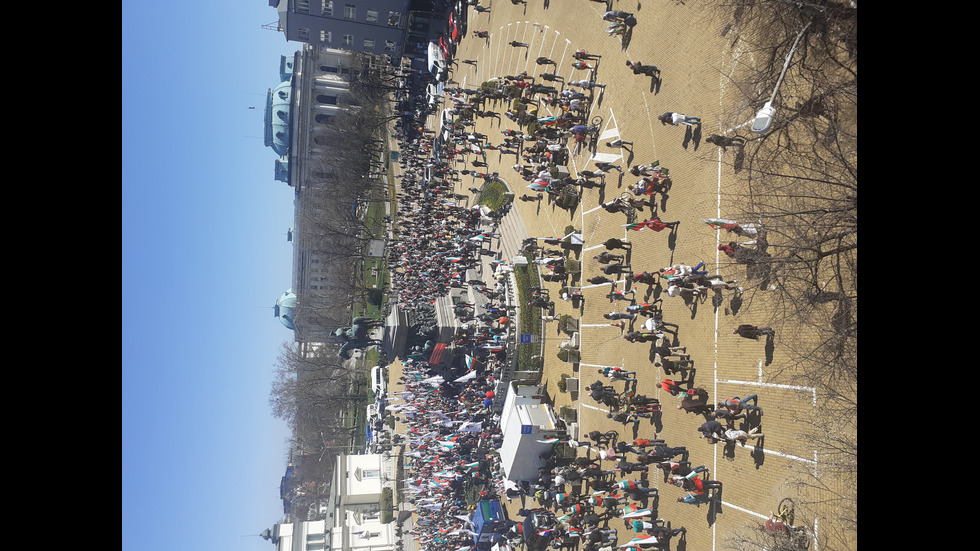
452 432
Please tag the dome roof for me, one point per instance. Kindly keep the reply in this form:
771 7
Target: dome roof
277 118
285 308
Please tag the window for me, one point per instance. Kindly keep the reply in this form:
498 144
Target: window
394 18
348 39
327 100
350 11
304 34
389 46
328 69
371 474
302 6
326 36
368 43
372 16
327 7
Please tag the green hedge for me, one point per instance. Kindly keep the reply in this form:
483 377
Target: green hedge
387 506
530 321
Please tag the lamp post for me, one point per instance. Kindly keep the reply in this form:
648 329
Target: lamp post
763 119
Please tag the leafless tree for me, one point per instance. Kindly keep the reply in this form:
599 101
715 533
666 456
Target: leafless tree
799 180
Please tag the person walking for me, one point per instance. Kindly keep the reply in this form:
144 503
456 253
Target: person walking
517 44
753 332
640 69
606 258
545 61
677 119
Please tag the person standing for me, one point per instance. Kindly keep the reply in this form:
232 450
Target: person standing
694 403
740 436
712 429
736 404
585 84
619 316
657 225
613 243
615 268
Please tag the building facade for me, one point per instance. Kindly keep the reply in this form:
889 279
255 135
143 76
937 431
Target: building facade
375 27
298 111
359 481
298 536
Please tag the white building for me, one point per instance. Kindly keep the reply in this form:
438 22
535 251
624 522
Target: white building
356 503
354 520
298 536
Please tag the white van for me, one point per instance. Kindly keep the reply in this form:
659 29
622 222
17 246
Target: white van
378 383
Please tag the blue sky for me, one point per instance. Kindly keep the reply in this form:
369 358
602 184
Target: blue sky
204 258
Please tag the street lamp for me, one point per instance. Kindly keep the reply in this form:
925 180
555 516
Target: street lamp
763 119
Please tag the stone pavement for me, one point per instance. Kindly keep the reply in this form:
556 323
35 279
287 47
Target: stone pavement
695 59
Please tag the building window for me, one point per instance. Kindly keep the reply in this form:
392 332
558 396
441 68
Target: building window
348 39
350 11
372 16
394 18
302 6
323 119
304 34
368 43
389 46
371 473
327 7
327 100
327 69
326 36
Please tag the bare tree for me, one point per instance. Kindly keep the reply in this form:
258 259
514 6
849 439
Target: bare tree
799 181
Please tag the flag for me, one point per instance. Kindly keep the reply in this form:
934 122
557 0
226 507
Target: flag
638 226
639 513
720 223
641 540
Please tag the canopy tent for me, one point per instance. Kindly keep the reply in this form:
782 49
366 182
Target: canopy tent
489 521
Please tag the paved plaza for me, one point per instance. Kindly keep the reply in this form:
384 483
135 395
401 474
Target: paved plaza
697 56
